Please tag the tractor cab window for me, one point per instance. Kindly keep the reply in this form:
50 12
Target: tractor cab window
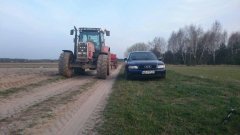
102 37
91 37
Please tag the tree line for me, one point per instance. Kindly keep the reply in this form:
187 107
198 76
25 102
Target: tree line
191 45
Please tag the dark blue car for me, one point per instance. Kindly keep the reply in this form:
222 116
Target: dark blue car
143 64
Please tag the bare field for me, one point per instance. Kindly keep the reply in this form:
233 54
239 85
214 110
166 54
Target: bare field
28 65
13 75
34 99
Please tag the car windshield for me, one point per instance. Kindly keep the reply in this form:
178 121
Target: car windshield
142 56
91 37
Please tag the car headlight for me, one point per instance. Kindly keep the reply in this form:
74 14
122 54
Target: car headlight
160 66
132 67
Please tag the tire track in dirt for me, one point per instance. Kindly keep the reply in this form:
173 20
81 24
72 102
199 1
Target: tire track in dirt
28 112
78 114
14 105
19 81
40 112
17 77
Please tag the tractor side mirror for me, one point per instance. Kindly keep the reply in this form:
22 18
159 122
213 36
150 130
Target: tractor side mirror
107 33
71 32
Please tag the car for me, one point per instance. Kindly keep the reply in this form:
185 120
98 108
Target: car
144 64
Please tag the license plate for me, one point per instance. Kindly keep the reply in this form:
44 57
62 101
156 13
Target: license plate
148 72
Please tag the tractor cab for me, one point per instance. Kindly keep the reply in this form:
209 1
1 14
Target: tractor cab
88 43
96 36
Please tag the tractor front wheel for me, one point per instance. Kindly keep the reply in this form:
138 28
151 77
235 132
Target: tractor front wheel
65 60
102 66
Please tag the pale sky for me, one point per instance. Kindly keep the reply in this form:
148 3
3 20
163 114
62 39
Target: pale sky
39 29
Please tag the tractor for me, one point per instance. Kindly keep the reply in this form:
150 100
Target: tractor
90 52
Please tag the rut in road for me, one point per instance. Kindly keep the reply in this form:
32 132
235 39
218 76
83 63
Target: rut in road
81 111
74 117
64 113
39 113
14 105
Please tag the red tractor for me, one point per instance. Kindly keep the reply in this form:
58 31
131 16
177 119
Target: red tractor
90 52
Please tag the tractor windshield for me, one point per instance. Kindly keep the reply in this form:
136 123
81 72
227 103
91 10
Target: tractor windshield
91 37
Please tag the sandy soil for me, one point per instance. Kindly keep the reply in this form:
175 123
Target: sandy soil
65 106
18 77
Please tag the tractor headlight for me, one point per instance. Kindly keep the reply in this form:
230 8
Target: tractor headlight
160 66
132 67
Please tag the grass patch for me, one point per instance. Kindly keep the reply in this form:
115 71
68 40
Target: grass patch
215 72
183 103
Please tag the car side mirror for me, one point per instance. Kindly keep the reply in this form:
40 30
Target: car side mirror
125 59
160 58
71 32
107 33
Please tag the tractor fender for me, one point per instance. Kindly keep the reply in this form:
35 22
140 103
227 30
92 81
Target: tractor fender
68 51
105 50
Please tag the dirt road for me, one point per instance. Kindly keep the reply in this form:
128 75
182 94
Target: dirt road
53 105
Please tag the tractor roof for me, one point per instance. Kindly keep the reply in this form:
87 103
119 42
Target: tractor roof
90 29
94 30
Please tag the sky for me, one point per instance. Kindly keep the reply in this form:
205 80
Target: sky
39 29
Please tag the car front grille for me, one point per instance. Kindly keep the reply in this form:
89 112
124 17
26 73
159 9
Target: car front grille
147 67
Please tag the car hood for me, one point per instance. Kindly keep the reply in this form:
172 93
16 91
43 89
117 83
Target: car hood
143 62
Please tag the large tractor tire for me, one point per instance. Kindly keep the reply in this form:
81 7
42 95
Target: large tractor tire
109 64
102 66
65 60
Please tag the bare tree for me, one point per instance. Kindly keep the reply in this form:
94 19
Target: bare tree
234 47
194 34
193 43
182 42
205 41
216 39
172 43
137 47
234 42
158 46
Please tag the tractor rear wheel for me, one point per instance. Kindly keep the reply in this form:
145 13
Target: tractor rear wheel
109 64
102 66
65 60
